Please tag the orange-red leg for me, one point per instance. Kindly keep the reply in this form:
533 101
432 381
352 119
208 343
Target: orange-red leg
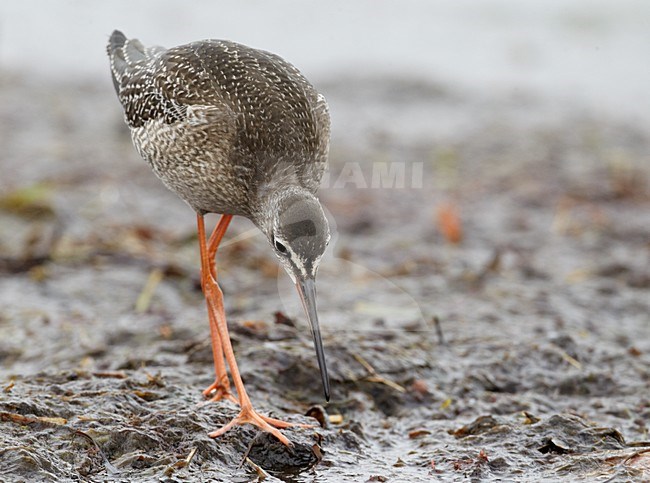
214 298
220 388
215 240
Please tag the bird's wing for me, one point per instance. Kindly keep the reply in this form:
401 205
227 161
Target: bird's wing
126 55
154 83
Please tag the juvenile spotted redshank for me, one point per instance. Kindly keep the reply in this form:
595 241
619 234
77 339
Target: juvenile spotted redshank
235 131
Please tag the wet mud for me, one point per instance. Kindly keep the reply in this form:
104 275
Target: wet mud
490 323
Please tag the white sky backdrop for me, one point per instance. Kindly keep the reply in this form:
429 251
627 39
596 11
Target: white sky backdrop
592 51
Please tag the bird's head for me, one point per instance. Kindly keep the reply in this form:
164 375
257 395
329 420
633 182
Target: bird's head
299 234
298 231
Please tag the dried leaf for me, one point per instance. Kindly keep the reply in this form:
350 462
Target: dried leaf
530 419
317 452
336 418
29 201
53 420
318 413
144 299
449 223
418 433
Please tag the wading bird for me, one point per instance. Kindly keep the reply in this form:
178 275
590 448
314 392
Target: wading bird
239 132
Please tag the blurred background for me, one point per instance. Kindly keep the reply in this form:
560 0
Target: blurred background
458 91
515 226
582 51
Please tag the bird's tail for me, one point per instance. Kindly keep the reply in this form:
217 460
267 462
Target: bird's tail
124 54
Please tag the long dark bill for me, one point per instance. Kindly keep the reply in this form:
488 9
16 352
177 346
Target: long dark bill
307 290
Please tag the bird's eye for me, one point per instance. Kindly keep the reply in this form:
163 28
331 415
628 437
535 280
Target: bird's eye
280 247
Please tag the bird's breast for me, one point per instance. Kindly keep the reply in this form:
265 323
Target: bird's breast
196 162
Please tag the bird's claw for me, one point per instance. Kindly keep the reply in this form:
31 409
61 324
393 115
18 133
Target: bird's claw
265 423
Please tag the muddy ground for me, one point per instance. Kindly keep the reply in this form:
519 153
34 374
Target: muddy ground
515 349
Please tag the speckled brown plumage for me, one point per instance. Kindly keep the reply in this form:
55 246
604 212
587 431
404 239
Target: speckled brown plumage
237 131
223 125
